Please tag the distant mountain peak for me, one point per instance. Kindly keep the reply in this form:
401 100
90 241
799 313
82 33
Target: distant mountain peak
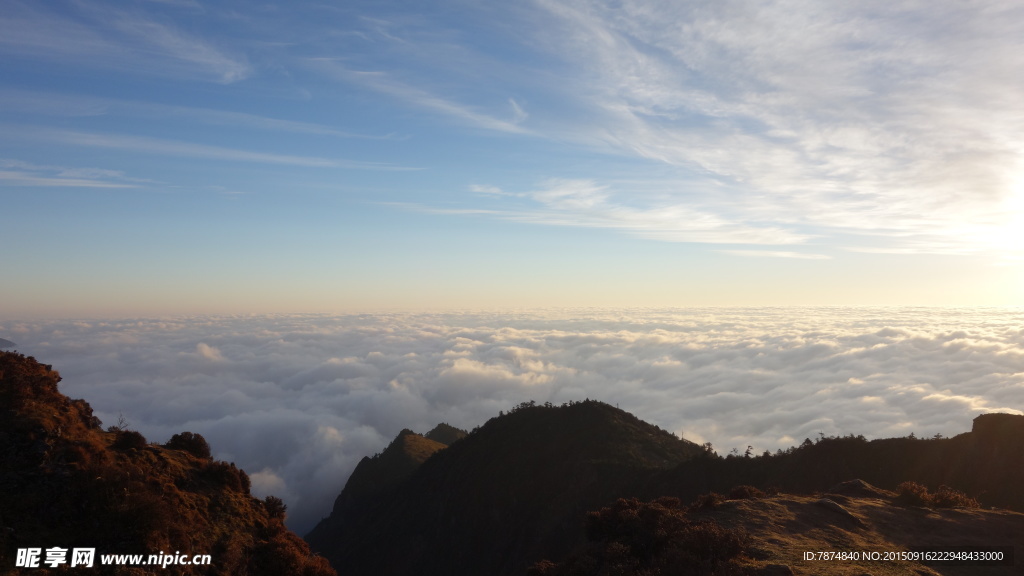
6 344
445 434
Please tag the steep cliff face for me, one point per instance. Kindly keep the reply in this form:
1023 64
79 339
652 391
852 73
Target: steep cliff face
403 456
374 479
65 482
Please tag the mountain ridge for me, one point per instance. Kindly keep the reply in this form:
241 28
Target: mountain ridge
517 489
539 457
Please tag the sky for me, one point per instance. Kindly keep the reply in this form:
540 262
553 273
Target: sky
184 157
297 400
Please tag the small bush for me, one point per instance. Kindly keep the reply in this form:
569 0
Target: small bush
190 442
745 492
276 508
226 475
647 538
708 501
946 497
129 439
914 494
711 543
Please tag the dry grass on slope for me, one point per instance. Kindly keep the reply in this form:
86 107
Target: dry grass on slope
66 482
783 528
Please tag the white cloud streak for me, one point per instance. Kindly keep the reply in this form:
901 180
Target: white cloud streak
587 204
19 173
51 104
900 122
113 38
385 83
150 145
298 400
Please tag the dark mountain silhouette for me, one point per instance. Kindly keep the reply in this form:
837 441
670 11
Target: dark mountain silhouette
511 492
383 472
987 462
445 434
6 344
517 490
375 478
65 482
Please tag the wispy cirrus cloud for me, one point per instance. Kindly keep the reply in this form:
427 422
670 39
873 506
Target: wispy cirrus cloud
150 145
54 104
587 204
114 37
20 173
188 50
898 123
386 83
13 178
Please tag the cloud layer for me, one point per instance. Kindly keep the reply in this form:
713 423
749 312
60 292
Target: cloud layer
298 400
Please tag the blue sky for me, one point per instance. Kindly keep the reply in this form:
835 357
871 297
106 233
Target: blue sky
218 157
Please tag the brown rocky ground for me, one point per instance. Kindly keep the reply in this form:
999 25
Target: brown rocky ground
857 517
66 482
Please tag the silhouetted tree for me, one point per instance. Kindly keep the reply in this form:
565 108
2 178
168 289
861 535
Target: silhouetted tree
276 508
190 442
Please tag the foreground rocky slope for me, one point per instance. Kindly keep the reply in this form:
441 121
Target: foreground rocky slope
853 529
65 482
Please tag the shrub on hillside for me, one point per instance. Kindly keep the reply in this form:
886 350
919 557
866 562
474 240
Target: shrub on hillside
190 442
227 475
129 439
276 508
946 497
708 501
745 492
914 494
634 538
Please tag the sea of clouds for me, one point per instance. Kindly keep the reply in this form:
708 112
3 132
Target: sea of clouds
297 400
